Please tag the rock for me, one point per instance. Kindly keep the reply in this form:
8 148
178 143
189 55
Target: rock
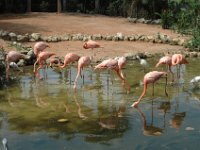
35 36
126 38
5 35
120 36
193 54
66 37
132 20
147 21
13 36
181 42
108 37
44 38
157 21
97 37
174 41
21 63
129 56
22 38
132 38
141 20
150 38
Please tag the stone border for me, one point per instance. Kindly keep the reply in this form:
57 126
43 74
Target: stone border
157 38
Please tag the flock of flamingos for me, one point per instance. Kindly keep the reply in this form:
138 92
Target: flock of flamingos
115 64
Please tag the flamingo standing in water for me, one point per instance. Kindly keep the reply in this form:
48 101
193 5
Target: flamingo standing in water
82 62
150 77
178 60
115 65
166 60
91 44
42 56
70 58
12 56
39 47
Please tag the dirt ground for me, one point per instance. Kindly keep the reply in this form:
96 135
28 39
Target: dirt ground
59 24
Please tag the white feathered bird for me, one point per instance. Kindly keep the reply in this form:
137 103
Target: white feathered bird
196 82
195 79
4 142
15 66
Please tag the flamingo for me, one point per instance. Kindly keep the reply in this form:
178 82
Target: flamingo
54 60
150 77
12 56
42 56
91 44
70 58
121 63
82 62
166 60
39 47
115 65
178 60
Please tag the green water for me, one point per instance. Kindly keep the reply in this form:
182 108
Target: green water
99 115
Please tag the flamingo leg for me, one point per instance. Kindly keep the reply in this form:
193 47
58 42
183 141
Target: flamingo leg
35 65
153 89
37 71
166 86
70 74
7 69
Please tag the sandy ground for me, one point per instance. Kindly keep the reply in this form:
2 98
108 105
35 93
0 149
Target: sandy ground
59 24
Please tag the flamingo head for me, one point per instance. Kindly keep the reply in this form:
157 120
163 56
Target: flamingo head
85 46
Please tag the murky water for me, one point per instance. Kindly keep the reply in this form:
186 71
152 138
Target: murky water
99 115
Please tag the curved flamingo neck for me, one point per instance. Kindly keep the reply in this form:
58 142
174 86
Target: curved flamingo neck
143 93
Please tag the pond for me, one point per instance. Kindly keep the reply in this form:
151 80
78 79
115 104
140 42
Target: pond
47 114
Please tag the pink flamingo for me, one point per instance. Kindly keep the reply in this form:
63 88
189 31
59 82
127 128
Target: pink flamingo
91 44
166 60
178 60
70 58
39 47
82 62
42 56
121 63
54 60
115 65
12 56
150 77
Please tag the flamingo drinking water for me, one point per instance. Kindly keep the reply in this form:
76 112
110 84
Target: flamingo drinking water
150 77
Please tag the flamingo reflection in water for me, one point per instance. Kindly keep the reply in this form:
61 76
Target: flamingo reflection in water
80 113
149 130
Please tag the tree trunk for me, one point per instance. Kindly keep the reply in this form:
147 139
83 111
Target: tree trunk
64 5
28 5
58 6
97 5
8 5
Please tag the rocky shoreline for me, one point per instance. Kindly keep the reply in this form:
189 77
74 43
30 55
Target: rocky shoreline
16 41
34 37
